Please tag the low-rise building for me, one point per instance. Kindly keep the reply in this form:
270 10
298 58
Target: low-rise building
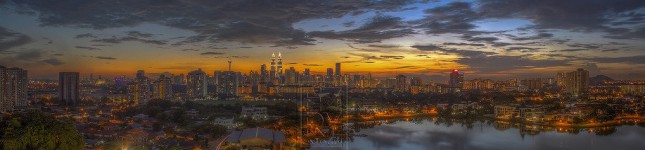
228 122
257 138
257 113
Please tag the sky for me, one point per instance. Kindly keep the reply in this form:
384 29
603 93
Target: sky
497 39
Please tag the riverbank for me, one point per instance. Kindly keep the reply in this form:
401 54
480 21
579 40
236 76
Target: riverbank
617 121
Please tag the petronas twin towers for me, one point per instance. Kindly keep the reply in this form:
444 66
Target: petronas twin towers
276 70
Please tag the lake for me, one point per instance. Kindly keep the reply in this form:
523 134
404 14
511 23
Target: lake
428 134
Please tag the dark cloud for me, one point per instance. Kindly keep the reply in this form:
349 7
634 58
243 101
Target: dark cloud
376 29
139 34
572 50
523 49
9 39
392 57
456 17
464 44
587 46
349 24
87 48
53 61
640 59
116 40
239 56
480 39
212 53
427 47
189 49
406 67
29 55
105 57
495 64
312 65
610 50
86 35
384 45
554 14
557 14
261 21
535 37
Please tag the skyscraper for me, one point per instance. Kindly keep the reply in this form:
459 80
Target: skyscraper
13 88
227 83
578 83
162 88
330 76
264 74
68 88
272 73
337 73
140 92
291 76
561 80
279 71
401 83
197 84
456 82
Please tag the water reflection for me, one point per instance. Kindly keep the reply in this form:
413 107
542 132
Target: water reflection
449 134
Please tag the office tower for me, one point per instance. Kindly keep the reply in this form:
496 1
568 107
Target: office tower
291 76
68 88
401 83
416 81
456 82
272 73
330 76
227 83
140 74
578 83
264 74
279 71
197 84
179 79
307 72
532 84
13 88
140 92
337 73
162 88
561 80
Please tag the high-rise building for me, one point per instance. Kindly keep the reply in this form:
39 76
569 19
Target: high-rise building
264 74
228 83
578 83
279 65
13 88
337 73
416 81
330 76
140 74
197 84
140 91
68 83
561 80
273 72
291 76
162 88
456 82
401 83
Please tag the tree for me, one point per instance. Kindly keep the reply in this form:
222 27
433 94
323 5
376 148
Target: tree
36 130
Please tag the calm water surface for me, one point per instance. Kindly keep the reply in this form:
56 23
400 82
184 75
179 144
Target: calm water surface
428 135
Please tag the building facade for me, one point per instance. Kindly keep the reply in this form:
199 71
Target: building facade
68 83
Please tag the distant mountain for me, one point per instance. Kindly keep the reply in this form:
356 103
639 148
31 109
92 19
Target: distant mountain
599 79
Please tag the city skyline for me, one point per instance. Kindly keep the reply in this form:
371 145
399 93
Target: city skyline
486 39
